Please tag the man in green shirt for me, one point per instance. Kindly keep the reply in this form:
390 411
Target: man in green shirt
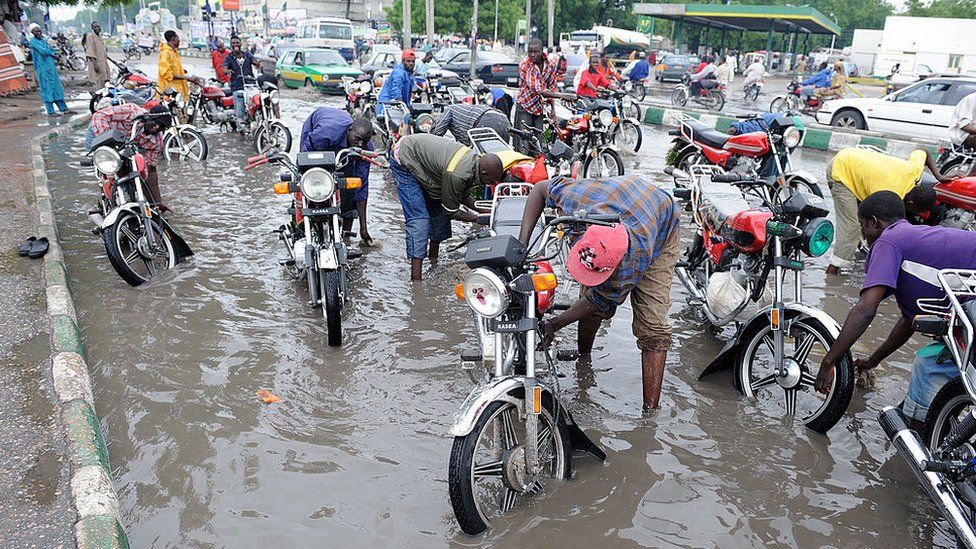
434 177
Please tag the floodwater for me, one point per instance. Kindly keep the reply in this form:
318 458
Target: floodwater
356 452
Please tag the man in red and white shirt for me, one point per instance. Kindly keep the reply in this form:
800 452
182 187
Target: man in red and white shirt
537 88
149 139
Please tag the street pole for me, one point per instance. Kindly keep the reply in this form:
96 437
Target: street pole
406 24
528 24
474 40
430 22
832 39
550 20
494 40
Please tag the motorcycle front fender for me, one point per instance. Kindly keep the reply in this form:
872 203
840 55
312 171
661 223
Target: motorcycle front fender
499 388
792 311
113 215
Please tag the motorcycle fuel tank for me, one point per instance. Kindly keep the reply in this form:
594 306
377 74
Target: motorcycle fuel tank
751 144
960 193
746 231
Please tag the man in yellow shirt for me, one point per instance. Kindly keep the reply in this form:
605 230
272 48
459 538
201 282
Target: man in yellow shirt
854 174
171 73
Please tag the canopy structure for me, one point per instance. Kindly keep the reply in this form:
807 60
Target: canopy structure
740 18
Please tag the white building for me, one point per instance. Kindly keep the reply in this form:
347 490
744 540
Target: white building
927 44
865 48
354 10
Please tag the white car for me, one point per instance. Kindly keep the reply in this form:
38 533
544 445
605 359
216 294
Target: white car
922 110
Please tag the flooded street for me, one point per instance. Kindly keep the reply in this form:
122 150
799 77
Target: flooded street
356 453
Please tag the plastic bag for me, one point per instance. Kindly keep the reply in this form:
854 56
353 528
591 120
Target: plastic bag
724 294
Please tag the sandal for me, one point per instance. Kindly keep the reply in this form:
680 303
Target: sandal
26 246
38 248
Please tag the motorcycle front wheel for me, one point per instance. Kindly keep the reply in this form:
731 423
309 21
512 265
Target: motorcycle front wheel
273 136
718 101
485 464
129 252
185 144
606 163
948 408
638 92
332 305
628 137
793 395
679 97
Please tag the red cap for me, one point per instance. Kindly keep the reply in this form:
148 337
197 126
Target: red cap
408 54
594 257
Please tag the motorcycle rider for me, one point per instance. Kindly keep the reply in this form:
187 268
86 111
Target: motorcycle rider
962 129
854 174
753 73
904 261
838 81
331 129
593 80
239 65
462 117
149 140
434 176
641 69
636 257
820 80
698 79
399 84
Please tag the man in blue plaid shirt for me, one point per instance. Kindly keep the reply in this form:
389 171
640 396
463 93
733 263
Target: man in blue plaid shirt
635 258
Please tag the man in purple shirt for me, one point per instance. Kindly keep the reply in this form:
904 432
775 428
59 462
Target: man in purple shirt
904 261
331 129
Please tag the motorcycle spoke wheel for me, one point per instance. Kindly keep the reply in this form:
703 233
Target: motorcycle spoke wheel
484 461
129 252
792 395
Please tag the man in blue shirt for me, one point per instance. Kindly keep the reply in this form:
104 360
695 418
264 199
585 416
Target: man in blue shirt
399 84
819 80
239 65
641 69
330 129
904 261
635 258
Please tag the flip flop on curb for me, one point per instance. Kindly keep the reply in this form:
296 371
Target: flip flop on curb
26 246
38 248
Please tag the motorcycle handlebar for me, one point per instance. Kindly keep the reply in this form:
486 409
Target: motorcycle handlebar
256 158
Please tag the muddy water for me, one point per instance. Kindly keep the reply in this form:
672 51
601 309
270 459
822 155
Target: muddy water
356 452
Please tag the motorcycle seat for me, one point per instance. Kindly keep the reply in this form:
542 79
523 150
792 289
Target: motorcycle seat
721 202
507 218
706 135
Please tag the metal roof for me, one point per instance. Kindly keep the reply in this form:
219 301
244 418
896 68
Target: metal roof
744 17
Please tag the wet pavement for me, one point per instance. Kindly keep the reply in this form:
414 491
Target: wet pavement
356 452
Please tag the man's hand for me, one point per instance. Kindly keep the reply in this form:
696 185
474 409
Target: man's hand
547 331
863 365
825 377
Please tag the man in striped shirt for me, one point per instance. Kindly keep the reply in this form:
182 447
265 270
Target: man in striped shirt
537 88
636 258
462 117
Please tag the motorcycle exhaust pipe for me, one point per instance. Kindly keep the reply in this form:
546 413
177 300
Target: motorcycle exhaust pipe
689 284
97 219
908 444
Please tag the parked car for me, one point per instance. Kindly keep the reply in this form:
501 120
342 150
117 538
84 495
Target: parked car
674 66
492 67
319 67
380 60
922 110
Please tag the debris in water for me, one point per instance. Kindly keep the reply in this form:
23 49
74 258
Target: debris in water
268 397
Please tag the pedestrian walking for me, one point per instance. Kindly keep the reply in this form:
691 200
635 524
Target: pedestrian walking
853 175
48 81
634 258
96 56
434 177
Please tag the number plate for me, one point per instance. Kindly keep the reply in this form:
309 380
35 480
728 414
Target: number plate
319 212
512 327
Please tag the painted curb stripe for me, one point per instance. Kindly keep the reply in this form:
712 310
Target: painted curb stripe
100 532
85 435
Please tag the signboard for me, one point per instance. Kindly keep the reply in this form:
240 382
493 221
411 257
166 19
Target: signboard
232 5
644 24
201 29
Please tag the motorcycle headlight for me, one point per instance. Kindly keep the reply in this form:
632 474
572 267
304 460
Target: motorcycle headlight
365 87
485 293
606 118
106 160
274 96
317 185
791 137
628 101
817 237
425 123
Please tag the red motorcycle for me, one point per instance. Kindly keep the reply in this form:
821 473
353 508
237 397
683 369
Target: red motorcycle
792 101
213 103
955 203
776 350
764 154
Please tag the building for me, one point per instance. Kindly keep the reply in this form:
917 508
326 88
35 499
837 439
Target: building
354 10
927 44
865 48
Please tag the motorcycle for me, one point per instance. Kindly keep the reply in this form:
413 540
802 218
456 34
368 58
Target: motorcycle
765 154
313 238
752 90
542 161
132 52
588 134
792 101
625 132
513 433
735 249
181 141
213 103
128 86
67 59
956 160
360 97
636 89
957 201
138 241
263 116
711 94
942 455
398 121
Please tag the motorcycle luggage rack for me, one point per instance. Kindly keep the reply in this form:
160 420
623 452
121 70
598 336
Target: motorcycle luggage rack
487 141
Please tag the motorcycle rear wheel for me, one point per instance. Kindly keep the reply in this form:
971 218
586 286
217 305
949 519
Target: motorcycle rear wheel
752 94
718 101
679 98
948 407
468 476
758 380
275 136
332 305
638 92
606 163
122 245
955 167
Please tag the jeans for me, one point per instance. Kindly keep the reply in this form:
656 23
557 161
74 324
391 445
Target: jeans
931 371
89 136
525 118
49 106
240 109
426 220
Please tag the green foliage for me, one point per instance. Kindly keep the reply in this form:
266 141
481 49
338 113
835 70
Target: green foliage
965 9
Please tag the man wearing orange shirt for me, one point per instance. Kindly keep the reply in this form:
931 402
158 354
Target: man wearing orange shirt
217 59
592 80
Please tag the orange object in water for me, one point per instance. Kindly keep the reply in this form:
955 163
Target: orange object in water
268 397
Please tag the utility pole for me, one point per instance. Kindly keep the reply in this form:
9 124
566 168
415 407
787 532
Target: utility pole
474 40
495 38
550 18
406 24
528 24
430 22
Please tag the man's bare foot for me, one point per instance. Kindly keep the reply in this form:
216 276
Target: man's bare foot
365 239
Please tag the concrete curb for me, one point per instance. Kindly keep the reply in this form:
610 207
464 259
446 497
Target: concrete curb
824 138
92 491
